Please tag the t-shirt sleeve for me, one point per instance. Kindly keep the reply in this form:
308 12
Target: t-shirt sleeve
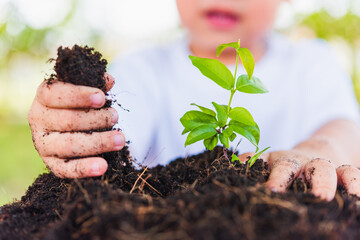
328 91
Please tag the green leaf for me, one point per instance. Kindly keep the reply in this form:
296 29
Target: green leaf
215 70
185 131
243 84
205 110
253 159
224 140
193 119
200 133
248 61
221 114
251 133
210 143
222 47
232 137
228 132
234 158
242 115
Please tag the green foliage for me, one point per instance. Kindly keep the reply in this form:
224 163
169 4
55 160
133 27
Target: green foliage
199 133
235 158
225 122
242 115
205 110
327 26
251 133
20 163
253 159
215 70
247 60
347 28
253 85
222 47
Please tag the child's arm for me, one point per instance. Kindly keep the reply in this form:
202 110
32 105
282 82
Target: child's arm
59 111
326 159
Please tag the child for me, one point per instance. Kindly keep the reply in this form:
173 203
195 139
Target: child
309 117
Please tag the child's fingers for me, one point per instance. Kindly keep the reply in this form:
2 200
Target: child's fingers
67 95
76 168
349 176
78 144
323 179
72 119
282 174
284 168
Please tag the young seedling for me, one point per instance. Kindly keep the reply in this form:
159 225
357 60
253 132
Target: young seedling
225 122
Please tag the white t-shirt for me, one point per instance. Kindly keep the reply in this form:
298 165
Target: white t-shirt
307 88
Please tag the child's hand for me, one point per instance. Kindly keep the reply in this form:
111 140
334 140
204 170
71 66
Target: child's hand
323 175
59 111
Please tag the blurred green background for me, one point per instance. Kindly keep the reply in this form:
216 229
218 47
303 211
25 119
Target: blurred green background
31 31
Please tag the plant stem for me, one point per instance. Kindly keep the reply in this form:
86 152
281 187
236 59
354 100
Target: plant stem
236 66
234 88
231 96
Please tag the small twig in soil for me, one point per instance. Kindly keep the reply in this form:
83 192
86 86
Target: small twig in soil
83 218
339 201
143 181
86 195
151 187
88 223
194 184
58 214
61 184
133 188
225 153
146 168
280 203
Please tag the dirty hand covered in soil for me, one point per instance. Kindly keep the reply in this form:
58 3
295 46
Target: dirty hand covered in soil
325 161
70 117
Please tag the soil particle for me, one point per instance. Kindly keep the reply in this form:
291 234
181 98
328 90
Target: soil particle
312 171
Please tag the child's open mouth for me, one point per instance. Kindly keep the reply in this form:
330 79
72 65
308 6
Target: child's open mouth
221 19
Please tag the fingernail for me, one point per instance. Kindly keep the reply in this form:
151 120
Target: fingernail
274 190
97 100
95 169
118 141
115 116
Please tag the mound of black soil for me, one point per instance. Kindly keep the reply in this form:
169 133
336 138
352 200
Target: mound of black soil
200 197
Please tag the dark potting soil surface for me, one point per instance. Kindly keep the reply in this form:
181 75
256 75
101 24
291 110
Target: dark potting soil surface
200 197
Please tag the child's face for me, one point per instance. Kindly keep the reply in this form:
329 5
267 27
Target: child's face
212 22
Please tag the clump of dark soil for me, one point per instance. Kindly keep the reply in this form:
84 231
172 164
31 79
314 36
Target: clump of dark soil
198 197
80 66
